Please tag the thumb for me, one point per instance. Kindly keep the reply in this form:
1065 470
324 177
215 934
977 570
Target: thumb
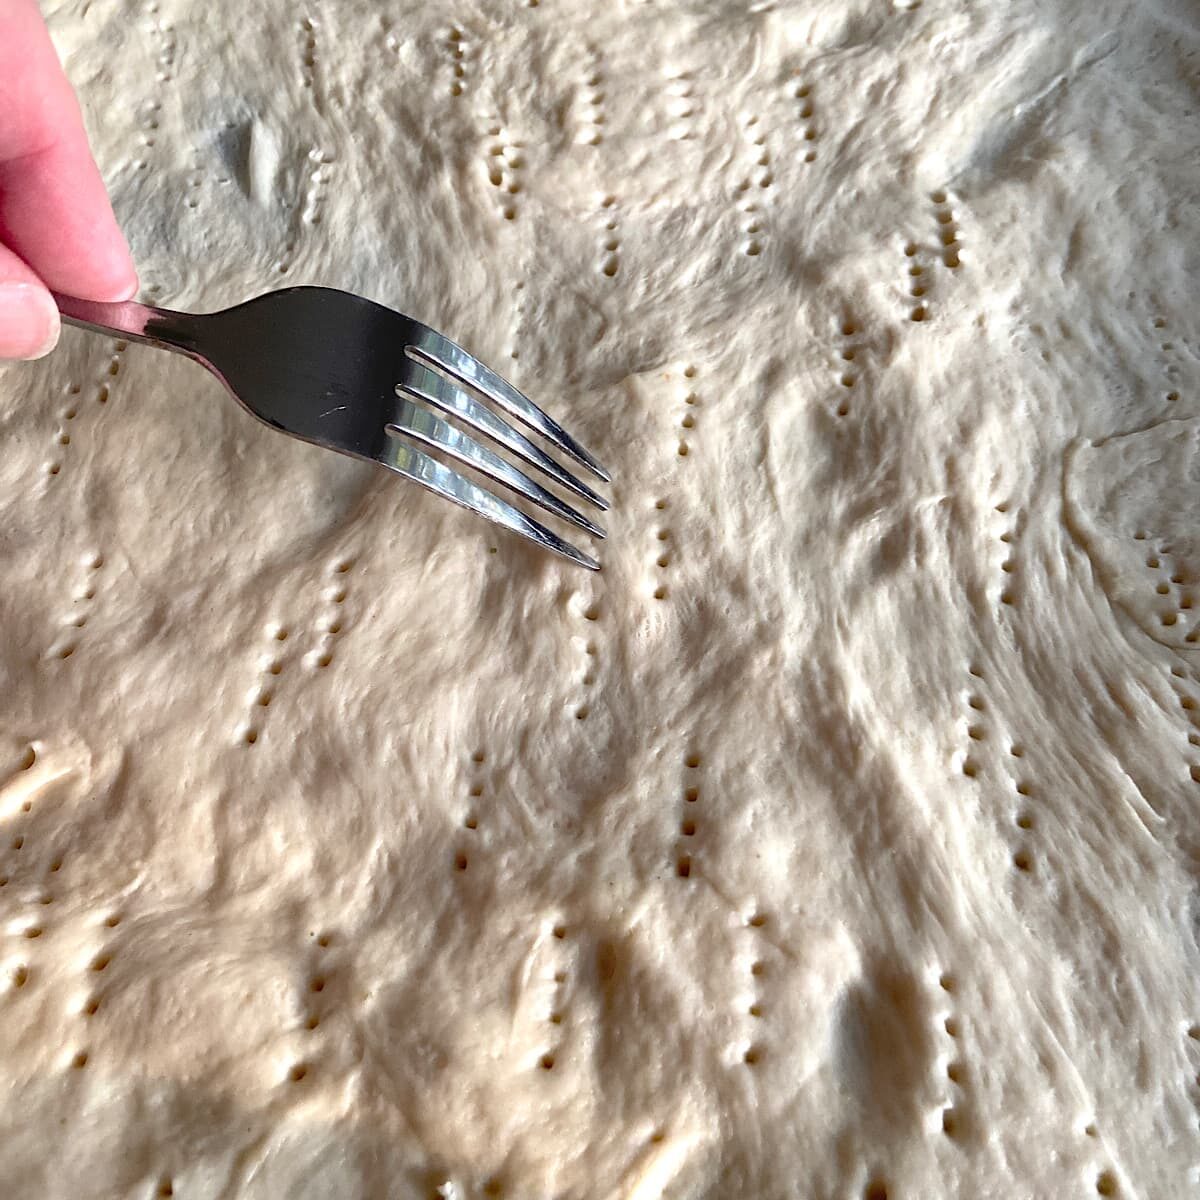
29 324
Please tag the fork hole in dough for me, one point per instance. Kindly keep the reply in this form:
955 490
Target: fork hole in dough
1106 1184
298 1072
683 866
876 1189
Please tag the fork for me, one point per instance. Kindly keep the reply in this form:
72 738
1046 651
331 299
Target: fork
346 373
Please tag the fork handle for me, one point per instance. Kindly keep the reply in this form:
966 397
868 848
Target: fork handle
139 322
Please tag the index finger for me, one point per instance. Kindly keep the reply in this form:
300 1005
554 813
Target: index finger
54 211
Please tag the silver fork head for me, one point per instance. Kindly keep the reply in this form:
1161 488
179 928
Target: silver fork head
346 373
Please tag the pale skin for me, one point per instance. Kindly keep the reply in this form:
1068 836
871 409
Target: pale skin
57 229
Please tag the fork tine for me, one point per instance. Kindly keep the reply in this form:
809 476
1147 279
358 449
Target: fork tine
426 427
416 465
426 384
442 352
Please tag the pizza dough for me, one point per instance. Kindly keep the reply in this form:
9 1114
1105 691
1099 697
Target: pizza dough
840 838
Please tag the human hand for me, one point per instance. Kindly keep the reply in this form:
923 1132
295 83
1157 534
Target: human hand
57 229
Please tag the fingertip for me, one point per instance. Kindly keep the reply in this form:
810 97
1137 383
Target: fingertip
29 321
107 273
125 289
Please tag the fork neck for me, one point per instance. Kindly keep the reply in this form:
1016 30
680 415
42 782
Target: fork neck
129 319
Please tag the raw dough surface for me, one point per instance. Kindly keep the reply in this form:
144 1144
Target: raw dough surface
840 839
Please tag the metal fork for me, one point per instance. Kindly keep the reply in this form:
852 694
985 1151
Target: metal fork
346 373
